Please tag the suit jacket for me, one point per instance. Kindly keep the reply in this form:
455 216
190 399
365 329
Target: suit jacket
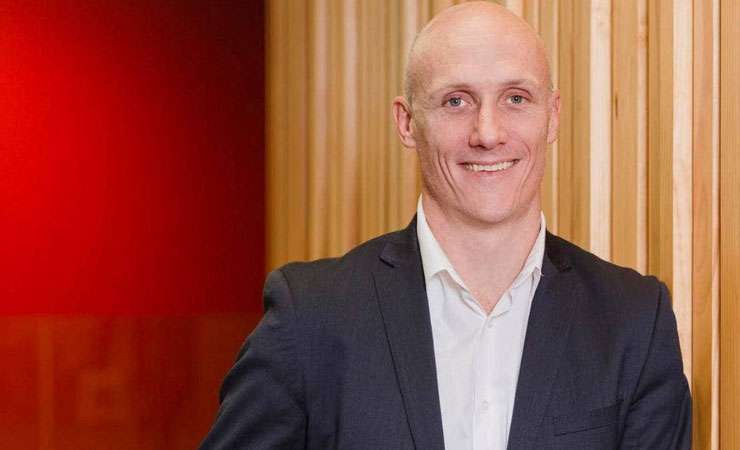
344 359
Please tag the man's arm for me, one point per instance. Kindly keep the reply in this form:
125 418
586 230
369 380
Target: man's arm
660 410
261 398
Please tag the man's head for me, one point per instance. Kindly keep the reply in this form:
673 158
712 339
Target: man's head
480 110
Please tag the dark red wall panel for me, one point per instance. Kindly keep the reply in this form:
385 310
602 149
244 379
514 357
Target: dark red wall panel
131 156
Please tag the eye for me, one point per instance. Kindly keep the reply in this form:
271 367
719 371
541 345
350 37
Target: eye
455 102
517 99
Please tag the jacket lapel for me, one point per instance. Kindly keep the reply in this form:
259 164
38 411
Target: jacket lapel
547 332
401 291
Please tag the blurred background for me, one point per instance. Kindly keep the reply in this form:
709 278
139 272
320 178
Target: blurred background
157 158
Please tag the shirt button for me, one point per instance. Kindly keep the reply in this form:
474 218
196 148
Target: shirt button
490 324
484 406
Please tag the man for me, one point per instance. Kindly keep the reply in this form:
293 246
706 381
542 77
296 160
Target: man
472 328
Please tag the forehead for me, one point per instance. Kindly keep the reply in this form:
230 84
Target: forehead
480 56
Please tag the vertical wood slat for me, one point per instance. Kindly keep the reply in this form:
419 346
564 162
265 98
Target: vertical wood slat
563 219
729 224
715 375
366 89
318 129
548 28
705 251
531 13
393 87
629 145
599 148
276 140
350 228
579 182
681 177
660 138
414 16
296 148
373 116
336 234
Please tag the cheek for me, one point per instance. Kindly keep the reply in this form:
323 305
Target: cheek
531 130
442 140
450 132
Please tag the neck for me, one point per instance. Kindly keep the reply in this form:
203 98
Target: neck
487 256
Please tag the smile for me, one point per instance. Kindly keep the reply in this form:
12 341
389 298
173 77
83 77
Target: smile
490 167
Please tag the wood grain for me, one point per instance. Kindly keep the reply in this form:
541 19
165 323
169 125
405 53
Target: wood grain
600 111
729 225
318 129
705 226
548 27
564 218
629 144
660 140
682 175
579 184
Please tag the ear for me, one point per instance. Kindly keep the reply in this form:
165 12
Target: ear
554 123
404 126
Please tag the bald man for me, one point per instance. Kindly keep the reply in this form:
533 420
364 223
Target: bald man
473 328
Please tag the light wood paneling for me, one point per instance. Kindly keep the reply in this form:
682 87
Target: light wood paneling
629 137
599 124
681 186
318 129
705 282
660 138
565 207
548 29
730 224
634 176
575 166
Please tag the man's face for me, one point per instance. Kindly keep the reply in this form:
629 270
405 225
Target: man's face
482 116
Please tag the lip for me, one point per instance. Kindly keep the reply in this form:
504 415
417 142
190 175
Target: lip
494 172
490 163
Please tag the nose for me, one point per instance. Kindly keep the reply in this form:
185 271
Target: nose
489 131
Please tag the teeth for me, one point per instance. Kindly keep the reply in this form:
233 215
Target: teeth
489 167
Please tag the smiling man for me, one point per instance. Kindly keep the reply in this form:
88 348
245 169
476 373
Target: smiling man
473 328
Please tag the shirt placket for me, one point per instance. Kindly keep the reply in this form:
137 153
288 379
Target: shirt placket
486 417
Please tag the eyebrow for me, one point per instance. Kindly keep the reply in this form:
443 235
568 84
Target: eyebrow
513 82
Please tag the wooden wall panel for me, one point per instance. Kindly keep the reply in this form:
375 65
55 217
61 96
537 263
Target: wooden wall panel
577 166
729 224
681 179
114 382
547 25
629 137
660 133
599 125
634 176
705 252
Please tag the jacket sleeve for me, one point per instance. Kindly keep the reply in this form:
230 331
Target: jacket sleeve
261 397
659 415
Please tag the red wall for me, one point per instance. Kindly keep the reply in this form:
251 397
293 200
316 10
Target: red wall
131 216
132 156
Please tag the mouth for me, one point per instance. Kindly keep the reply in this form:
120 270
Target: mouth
495 167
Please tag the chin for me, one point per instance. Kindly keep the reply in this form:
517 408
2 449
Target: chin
491 215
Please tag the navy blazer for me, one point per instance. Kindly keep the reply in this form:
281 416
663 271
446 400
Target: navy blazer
344 359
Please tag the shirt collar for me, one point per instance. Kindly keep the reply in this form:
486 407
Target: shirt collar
434 260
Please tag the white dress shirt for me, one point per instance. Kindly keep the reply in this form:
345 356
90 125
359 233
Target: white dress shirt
477 354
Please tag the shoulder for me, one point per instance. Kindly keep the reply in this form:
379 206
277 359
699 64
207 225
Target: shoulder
617 307
606 285
329 278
